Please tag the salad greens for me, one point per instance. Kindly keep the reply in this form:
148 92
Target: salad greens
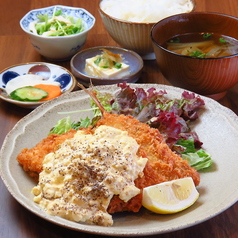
197 158
66 124
62 126
170 116
56 25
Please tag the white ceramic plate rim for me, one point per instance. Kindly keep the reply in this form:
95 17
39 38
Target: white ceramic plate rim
218 187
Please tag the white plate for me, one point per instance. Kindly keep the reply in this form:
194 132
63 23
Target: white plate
217 128
56 74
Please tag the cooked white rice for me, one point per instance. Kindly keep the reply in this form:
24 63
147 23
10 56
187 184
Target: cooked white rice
146 11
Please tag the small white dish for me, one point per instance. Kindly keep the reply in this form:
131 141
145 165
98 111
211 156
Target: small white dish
50 72
131 58
58 48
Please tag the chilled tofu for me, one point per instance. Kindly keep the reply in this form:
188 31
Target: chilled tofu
107 65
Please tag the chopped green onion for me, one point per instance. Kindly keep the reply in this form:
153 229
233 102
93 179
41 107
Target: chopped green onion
198 54
222 40
97 61
206 35
175 40
117 65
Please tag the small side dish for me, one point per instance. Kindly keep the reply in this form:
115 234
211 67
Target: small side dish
31 84
103 65
106 65
30 87
57 32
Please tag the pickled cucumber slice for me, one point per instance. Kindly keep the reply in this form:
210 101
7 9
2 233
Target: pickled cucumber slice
28 93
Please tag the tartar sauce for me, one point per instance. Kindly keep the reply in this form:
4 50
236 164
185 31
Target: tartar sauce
80 178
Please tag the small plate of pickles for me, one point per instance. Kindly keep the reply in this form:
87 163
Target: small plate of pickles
19 84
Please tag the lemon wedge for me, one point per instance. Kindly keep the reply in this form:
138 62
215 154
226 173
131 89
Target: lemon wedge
170 197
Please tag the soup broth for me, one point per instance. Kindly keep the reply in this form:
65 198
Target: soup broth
203 45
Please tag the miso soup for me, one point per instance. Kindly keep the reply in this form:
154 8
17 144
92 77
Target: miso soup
203 45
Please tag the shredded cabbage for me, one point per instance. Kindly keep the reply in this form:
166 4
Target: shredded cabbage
56 25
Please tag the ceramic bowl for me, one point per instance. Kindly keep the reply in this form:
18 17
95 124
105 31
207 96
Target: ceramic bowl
131 58
50 72
207 76
131 35
58 48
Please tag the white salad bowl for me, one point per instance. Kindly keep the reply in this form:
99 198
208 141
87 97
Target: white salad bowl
58 48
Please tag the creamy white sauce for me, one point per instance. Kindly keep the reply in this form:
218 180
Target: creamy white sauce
80 178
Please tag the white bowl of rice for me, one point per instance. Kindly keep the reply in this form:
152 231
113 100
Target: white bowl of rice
129 22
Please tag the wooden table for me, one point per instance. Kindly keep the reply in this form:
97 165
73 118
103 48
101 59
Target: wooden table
15 47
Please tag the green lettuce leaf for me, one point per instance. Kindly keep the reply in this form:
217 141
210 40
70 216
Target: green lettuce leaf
62 126
66 124
55 27
187 146
199 159
105 99
82 123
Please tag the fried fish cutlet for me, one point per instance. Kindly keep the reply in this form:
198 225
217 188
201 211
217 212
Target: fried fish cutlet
162 159
31 159
163 164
